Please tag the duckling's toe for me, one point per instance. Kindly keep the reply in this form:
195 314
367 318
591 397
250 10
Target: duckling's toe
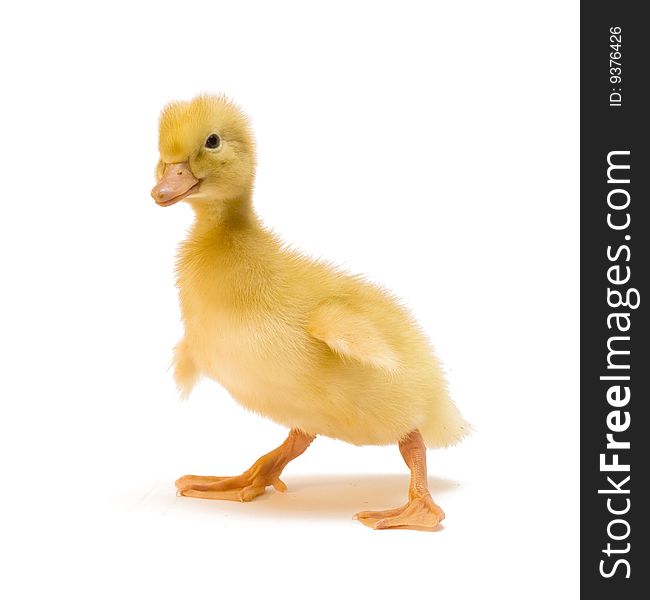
188 481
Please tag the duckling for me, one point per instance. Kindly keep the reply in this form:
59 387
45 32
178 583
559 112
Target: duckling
294 339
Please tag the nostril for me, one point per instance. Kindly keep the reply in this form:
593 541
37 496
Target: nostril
179 173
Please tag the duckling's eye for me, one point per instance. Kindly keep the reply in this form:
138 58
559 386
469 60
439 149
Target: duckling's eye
213 141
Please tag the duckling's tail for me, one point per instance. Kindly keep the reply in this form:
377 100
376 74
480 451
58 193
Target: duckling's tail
446 427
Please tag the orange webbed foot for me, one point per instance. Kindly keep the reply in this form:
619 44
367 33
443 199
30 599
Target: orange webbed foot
241 488
252 482
420 513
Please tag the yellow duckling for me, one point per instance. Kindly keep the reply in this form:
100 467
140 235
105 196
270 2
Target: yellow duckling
294 339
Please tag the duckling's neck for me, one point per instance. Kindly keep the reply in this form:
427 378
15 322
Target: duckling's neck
225 216
228 256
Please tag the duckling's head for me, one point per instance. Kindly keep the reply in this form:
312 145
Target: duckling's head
207 153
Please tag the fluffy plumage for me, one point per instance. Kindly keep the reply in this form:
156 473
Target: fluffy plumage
296 340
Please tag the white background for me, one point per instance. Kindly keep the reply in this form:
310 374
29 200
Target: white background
433 147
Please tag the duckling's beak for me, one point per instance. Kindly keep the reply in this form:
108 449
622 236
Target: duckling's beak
177 183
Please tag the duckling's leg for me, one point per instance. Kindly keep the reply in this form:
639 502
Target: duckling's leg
420 512
251 483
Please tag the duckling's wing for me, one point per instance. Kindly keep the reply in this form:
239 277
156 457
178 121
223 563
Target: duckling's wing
352 334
